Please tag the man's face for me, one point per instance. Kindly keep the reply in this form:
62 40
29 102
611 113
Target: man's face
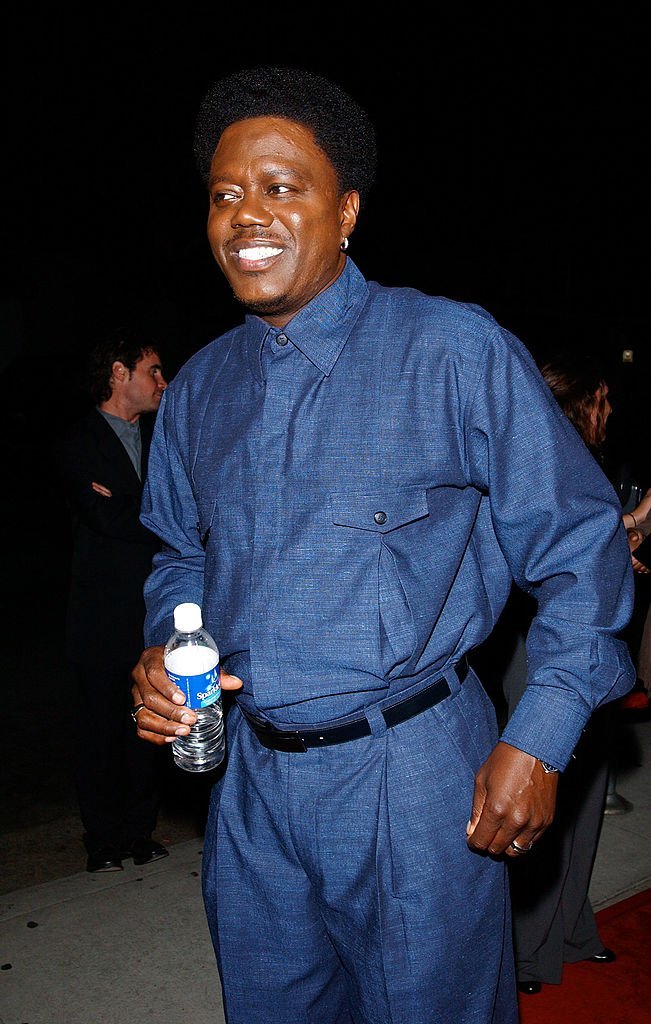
276 218
144 387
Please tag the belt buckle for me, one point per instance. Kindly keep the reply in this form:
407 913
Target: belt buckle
275 739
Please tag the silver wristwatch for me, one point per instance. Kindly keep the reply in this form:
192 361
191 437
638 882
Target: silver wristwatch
548 768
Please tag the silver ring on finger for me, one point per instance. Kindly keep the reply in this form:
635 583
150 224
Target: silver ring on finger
135 710
520 849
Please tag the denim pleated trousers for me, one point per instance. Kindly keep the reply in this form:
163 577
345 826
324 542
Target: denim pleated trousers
338 884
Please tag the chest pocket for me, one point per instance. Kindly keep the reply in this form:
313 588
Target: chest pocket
380 512
388 515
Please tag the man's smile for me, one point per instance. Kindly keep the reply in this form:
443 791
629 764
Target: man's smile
257 254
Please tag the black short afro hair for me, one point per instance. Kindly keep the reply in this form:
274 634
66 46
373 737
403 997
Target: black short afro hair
341 128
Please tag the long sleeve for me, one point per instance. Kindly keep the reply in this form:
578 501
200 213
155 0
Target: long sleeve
169 510
558 523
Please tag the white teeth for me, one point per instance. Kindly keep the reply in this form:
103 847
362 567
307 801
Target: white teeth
259 252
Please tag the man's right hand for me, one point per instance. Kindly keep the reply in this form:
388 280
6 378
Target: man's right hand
164 716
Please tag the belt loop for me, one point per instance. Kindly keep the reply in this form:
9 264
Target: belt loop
451 676
376 720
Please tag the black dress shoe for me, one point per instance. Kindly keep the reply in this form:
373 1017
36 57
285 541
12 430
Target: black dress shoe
145 850
529 988
105 859
605 957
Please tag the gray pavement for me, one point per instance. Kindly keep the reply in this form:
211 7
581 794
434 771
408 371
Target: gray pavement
134 945
623 863
104 949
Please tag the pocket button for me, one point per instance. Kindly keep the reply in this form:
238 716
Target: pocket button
380 518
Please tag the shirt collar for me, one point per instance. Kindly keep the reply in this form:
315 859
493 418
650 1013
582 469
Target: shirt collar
322 328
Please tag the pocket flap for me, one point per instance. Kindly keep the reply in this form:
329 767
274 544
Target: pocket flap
379 512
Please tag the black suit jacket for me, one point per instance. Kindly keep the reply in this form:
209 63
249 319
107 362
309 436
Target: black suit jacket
111 549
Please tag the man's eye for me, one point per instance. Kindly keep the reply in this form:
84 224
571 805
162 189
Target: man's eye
219 198
280 190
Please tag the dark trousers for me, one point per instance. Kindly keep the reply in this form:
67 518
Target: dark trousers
553 920
116 773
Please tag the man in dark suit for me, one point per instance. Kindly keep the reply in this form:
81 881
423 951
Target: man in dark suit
103 459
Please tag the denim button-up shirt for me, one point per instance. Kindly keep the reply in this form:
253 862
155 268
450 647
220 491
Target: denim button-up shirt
350 497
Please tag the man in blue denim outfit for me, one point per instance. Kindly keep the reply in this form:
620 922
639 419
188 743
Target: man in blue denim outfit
347 484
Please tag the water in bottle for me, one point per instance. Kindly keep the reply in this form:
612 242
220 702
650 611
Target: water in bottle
192 662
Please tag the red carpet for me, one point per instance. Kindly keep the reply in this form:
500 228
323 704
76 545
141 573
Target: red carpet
617 993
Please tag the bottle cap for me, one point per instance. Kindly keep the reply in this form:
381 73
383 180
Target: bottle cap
187 617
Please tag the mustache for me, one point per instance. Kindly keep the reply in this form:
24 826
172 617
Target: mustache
254 234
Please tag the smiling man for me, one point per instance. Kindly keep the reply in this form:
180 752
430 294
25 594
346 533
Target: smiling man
348 483
284 246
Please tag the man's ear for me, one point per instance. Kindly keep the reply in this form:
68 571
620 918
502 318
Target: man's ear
119 372
349 212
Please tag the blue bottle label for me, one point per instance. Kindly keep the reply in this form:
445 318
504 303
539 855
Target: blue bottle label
200 691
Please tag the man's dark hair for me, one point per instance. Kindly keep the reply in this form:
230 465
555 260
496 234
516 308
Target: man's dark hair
341 128
125 345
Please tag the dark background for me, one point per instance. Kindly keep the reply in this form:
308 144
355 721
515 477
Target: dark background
513 174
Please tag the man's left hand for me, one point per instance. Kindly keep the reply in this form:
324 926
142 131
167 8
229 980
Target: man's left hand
514 801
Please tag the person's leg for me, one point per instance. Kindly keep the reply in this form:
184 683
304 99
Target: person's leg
142 770
100 754
276 961
537 882
339 886
553 921
441 950
581 934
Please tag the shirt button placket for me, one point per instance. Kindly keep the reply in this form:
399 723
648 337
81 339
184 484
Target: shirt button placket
277 410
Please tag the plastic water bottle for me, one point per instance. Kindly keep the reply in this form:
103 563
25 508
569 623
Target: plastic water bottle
192 662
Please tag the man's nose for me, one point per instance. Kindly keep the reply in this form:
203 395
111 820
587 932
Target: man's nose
251 210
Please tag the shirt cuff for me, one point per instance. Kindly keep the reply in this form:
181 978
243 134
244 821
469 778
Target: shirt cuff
546 725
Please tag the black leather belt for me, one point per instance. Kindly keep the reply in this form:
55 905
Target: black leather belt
301 740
